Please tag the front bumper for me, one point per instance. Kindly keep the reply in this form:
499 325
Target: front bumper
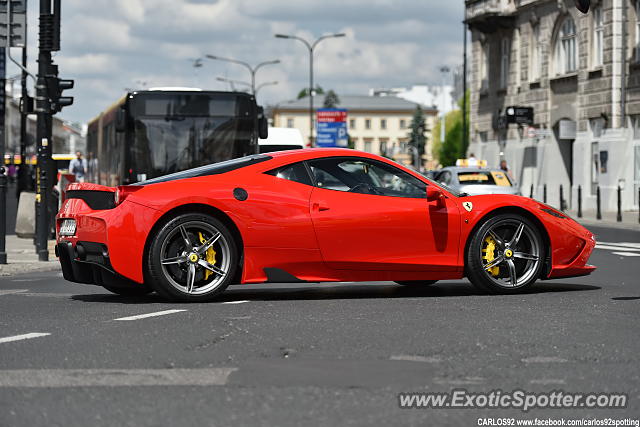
88 262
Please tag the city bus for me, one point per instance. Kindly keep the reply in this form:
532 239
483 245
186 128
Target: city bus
154 132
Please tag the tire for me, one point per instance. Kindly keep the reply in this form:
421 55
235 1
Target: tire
192 258
416 283
133 291
505 255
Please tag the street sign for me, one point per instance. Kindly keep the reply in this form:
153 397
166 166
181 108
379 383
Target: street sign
18 20
332 127
519 115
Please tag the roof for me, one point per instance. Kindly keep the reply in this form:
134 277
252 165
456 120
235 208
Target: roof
357 102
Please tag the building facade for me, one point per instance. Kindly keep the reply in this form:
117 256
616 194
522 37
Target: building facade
376 124
581 75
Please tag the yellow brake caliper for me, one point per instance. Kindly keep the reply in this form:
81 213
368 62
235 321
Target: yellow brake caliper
210 256
489 255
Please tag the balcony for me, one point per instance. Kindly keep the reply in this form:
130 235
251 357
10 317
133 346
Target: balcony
488 16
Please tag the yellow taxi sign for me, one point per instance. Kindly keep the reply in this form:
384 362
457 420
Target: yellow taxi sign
501 179
474 163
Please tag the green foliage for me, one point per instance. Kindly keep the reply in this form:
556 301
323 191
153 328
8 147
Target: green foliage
418 128
453 147
331 99
305 92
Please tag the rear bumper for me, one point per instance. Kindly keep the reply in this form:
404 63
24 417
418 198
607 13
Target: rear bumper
88 262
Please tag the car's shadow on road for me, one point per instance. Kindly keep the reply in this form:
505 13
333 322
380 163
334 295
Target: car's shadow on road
289 292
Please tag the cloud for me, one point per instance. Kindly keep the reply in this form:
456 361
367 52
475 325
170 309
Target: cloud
109 45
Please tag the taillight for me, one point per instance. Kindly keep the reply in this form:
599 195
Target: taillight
123 191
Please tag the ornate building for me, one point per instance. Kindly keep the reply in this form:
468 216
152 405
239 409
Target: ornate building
581 74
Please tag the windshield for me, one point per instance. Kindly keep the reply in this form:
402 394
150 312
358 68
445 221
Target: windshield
166 145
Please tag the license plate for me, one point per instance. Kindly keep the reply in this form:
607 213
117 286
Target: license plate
68 227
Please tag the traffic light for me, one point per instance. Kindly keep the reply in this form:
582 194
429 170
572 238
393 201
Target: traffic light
55 87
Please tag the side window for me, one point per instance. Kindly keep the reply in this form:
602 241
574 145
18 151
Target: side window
296 172
366 177
444 178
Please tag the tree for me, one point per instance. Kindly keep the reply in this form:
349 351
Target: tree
331 99
453 147
305 92
418 128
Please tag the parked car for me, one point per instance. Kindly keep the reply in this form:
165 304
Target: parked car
474 181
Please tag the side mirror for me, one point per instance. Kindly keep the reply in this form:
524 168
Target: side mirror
433 193
121 120
583 5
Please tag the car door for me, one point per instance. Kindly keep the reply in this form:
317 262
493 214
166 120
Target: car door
370 215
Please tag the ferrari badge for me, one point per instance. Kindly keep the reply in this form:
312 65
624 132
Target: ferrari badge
467 206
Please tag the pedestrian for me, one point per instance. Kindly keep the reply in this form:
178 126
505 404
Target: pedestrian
505 168
472 162
78 167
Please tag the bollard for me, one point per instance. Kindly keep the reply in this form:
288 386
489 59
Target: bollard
579 201
619 216
561 199
531 192
3 216
598 211
544 193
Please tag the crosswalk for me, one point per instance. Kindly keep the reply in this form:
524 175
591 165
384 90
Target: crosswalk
626 249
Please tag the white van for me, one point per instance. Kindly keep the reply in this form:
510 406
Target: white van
281 139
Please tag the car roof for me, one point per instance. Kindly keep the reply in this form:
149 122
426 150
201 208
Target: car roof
458 169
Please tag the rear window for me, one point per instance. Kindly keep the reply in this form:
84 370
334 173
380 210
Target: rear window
212 169
484 178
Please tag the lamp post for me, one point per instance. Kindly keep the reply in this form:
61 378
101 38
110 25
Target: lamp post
233 82
311 47
443 70
248 66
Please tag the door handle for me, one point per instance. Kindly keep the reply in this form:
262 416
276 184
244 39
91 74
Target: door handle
319 208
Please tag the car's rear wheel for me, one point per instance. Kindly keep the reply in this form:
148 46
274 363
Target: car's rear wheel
505 255
416 282
193 258
130 291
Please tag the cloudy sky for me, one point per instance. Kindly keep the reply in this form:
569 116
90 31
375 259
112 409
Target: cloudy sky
110 45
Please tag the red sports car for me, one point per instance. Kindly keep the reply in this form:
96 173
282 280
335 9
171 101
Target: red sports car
314 215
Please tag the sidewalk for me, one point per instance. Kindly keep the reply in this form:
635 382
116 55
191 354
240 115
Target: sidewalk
629 219
22 257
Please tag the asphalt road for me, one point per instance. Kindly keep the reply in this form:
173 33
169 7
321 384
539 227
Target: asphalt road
330 354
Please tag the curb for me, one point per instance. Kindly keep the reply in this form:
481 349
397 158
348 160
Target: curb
13 269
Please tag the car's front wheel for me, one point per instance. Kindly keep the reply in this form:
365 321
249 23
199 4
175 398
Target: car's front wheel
192 258
505 255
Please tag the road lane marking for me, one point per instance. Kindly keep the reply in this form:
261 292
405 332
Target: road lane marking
411 358
114 377
24 337
616 247
627 244
626 253
12 291
544 359
144 316
235 302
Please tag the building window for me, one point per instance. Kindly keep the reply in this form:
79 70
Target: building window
383 124
516 47
635 125
384 146
289 122
535 56
367 123
485 60
403 124
504 62
483 136
566 48
367 145
637 31
598 37
352 123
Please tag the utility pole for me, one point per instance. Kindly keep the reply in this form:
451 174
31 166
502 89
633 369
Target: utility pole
23 175
3 175
49 100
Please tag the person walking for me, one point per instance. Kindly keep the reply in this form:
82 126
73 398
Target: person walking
78 167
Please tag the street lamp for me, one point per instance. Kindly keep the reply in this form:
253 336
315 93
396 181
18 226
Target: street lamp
443 70
251 69
260 86
310 46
